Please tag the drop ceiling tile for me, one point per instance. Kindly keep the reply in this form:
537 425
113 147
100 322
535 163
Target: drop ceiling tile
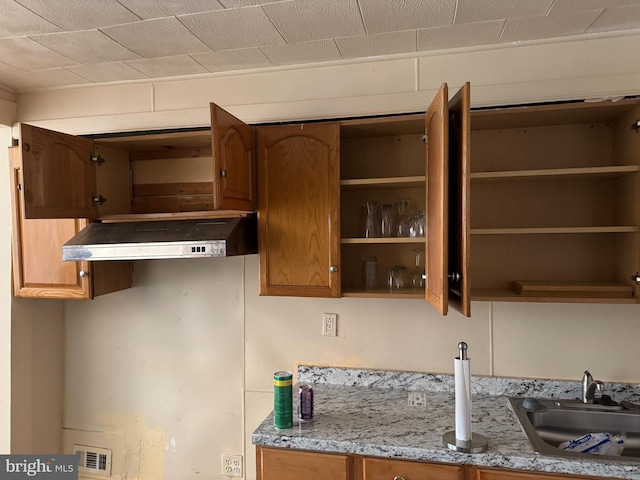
232 60
623 18
24 53
248 3
108 72
56 77
470 11
17 81
456 36
168 66
388 16
148 9
233 29
534 28
561 6
306 20
89 46
156 38
380 44
306 52
81 14
16 21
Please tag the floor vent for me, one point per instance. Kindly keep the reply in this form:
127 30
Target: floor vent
94 460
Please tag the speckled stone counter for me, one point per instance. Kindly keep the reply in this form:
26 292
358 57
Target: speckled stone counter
365 412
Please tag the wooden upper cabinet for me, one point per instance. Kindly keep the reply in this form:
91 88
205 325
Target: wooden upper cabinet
38 269
58 176
233 162
437 128
298 199
459 193
447 243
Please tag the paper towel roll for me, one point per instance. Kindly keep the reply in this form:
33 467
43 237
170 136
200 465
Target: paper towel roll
462 370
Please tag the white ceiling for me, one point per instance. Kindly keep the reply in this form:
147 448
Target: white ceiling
49 43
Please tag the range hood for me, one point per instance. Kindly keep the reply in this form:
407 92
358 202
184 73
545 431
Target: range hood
219 237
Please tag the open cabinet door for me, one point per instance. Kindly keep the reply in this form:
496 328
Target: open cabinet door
437 128
58 175
459 186
233 162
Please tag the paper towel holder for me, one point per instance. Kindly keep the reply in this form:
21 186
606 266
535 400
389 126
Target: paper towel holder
478 443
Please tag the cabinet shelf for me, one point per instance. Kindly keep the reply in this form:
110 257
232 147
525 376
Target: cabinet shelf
383 292
553 230
555 173
381 182
383 240
506 295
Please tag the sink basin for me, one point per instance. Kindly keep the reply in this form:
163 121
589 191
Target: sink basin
548 423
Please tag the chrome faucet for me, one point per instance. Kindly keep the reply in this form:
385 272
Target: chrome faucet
589 386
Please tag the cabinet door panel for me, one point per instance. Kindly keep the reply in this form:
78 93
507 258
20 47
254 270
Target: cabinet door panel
233 162
515 475
383 469
298 210
459 187
276 464
38 269
58 177
437 127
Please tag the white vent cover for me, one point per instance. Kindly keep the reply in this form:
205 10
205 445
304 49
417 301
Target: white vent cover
94 460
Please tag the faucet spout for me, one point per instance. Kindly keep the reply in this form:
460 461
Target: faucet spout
589 386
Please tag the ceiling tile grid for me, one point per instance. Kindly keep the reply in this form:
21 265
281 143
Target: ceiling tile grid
92 41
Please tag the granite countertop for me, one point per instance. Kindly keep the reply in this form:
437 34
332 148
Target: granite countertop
366 412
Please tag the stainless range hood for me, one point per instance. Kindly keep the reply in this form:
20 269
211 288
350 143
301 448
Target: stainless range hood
220 237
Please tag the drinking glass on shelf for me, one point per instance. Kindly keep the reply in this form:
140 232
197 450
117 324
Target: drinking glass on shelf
369 272
417 276
397 277
417 226
387 220
371 221
402 222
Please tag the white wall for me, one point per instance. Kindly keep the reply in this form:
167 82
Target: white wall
5 295
178 369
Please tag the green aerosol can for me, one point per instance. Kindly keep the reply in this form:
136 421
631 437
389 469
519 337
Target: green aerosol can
283 400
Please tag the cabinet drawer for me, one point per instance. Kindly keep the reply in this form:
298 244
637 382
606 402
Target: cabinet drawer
276 464
515 475
383 469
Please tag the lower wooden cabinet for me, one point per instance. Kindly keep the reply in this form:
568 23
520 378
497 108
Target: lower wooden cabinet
385 469
285 464
492 474
278 464
38 269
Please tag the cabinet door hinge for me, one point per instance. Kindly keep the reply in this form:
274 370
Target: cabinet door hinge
96 159
99 199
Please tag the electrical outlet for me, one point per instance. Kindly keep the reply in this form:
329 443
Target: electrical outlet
329 324
417 399
231 465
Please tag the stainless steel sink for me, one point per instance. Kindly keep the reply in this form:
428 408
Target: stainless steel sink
548 423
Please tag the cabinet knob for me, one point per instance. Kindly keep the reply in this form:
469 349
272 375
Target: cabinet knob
636 278
223 174
398 478
83 274
333 269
